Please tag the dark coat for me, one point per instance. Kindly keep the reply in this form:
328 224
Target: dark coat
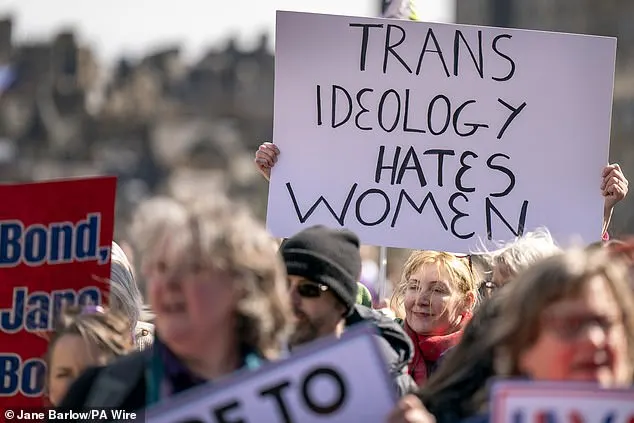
396 345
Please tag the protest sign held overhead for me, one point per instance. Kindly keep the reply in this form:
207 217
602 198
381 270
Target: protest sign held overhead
320 383
527 402
438 136
55 240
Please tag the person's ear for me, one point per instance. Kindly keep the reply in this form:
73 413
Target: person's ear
341 309
469 301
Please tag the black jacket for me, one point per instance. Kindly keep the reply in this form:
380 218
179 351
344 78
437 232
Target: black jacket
396 345
124 386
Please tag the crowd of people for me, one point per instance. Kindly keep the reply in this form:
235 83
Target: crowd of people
224 295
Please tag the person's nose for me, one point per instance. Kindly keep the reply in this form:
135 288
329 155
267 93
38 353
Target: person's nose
295 297
170 279
423 296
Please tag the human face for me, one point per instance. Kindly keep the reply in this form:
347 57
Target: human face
194 304
433 304
70 356
317 312
499 276
581 339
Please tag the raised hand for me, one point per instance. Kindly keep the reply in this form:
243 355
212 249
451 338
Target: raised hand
265 158
614 185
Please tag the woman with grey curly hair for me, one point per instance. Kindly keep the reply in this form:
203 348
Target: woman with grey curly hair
513 257
218 288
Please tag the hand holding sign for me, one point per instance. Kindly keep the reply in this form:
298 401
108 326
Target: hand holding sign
444 134
614 185
265 158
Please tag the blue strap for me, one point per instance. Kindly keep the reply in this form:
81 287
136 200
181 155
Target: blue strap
155 372
252 361
153 379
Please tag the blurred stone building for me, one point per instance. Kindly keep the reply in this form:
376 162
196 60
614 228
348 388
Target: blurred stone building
605 17
158 123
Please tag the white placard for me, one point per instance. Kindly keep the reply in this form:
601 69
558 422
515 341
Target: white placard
528 402
339 381
466 128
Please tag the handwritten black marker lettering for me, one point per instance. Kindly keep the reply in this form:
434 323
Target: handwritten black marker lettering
335 90
446 113
431 37
339 218
504 170
478 62
463 169
390 47
406 127
458 214
384 98
380 167
515 111
428 198
441 156
490 208
474 126
363 109
386 209
509 75
365 37
405 166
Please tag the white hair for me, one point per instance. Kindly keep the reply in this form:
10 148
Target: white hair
523 251
125 296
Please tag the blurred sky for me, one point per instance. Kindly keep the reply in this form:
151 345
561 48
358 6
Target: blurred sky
134 27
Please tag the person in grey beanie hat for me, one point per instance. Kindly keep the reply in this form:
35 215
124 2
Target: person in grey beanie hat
323 267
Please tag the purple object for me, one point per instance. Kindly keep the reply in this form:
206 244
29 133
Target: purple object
92 309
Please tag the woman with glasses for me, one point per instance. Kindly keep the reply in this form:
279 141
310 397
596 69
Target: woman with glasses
82 338
218 290
436 296
567 318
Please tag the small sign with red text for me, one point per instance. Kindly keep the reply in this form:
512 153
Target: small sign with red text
554 402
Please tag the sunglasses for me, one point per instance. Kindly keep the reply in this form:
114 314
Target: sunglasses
310 289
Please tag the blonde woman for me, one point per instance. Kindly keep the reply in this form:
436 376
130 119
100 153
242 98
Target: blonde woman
218 290
569 317
436 295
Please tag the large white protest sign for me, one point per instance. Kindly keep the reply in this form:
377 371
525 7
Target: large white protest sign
434 136
333 381
528 402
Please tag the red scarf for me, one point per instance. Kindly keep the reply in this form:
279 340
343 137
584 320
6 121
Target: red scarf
428 349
